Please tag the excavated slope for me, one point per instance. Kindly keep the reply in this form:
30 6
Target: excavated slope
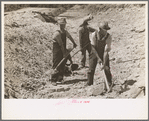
28 55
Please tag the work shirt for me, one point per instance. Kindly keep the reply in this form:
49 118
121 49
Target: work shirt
59 39
84 35
101 40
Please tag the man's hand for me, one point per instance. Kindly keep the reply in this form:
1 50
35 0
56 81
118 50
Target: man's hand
90 16
55 71
65 55
104 67
74 45
100 62
67 51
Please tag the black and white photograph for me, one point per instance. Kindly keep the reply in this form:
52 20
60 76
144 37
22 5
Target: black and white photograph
75 52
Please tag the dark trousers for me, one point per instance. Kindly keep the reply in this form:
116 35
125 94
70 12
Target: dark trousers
92 67
83 55
57 57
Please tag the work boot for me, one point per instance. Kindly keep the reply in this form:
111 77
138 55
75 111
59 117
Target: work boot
90 77
60 79
54 77
53 81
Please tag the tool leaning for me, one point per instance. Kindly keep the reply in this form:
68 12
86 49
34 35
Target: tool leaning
106 82
80 50
68 55
63 59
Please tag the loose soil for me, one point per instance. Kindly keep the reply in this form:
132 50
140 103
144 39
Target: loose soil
28 54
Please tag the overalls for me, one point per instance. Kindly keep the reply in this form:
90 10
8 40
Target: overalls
100 48
85 40
58 56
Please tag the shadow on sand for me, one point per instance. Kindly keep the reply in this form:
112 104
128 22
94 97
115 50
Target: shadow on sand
74 81
125 85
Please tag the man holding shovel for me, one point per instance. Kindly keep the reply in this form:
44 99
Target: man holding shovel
101 45
84 31
60 51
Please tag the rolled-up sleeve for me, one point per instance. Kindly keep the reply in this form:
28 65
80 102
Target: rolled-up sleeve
57 38
108 44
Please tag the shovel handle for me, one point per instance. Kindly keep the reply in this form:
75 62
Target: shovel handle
71 56
80 49
63 60
106 82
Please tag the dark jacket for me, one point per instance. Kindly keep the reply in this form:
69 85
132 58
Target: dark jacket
84 35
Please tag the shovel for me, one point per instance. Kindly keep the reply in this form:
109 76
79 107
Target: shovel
54 71
80 50
63 59
106 82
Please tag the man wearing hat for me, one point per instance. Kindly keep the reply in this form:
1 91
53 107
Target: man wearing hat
59 50
101 41
84 40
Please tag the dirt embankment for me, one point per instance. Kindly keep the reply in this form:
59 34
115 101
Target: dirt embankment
28 46
14 7
28 55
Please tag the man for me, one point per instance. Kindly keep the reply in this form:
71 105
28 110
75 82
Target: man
84 40
101 41
60 51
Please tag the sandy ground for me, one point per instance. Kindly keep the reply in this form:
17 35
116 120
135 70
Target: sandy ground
28 55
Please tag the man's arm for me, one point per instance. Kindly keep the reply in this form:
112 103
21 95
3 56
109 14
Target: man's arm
91 29
71 39
93 39
57 38
93 45
80 38
107 50
88 18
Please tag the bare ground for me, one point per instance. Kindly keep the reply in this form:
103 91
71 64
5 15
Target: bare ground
28 55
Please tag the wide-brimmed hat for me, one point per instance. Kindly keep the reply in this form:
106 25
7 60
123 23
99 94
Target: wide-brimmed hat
104 25
62 21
